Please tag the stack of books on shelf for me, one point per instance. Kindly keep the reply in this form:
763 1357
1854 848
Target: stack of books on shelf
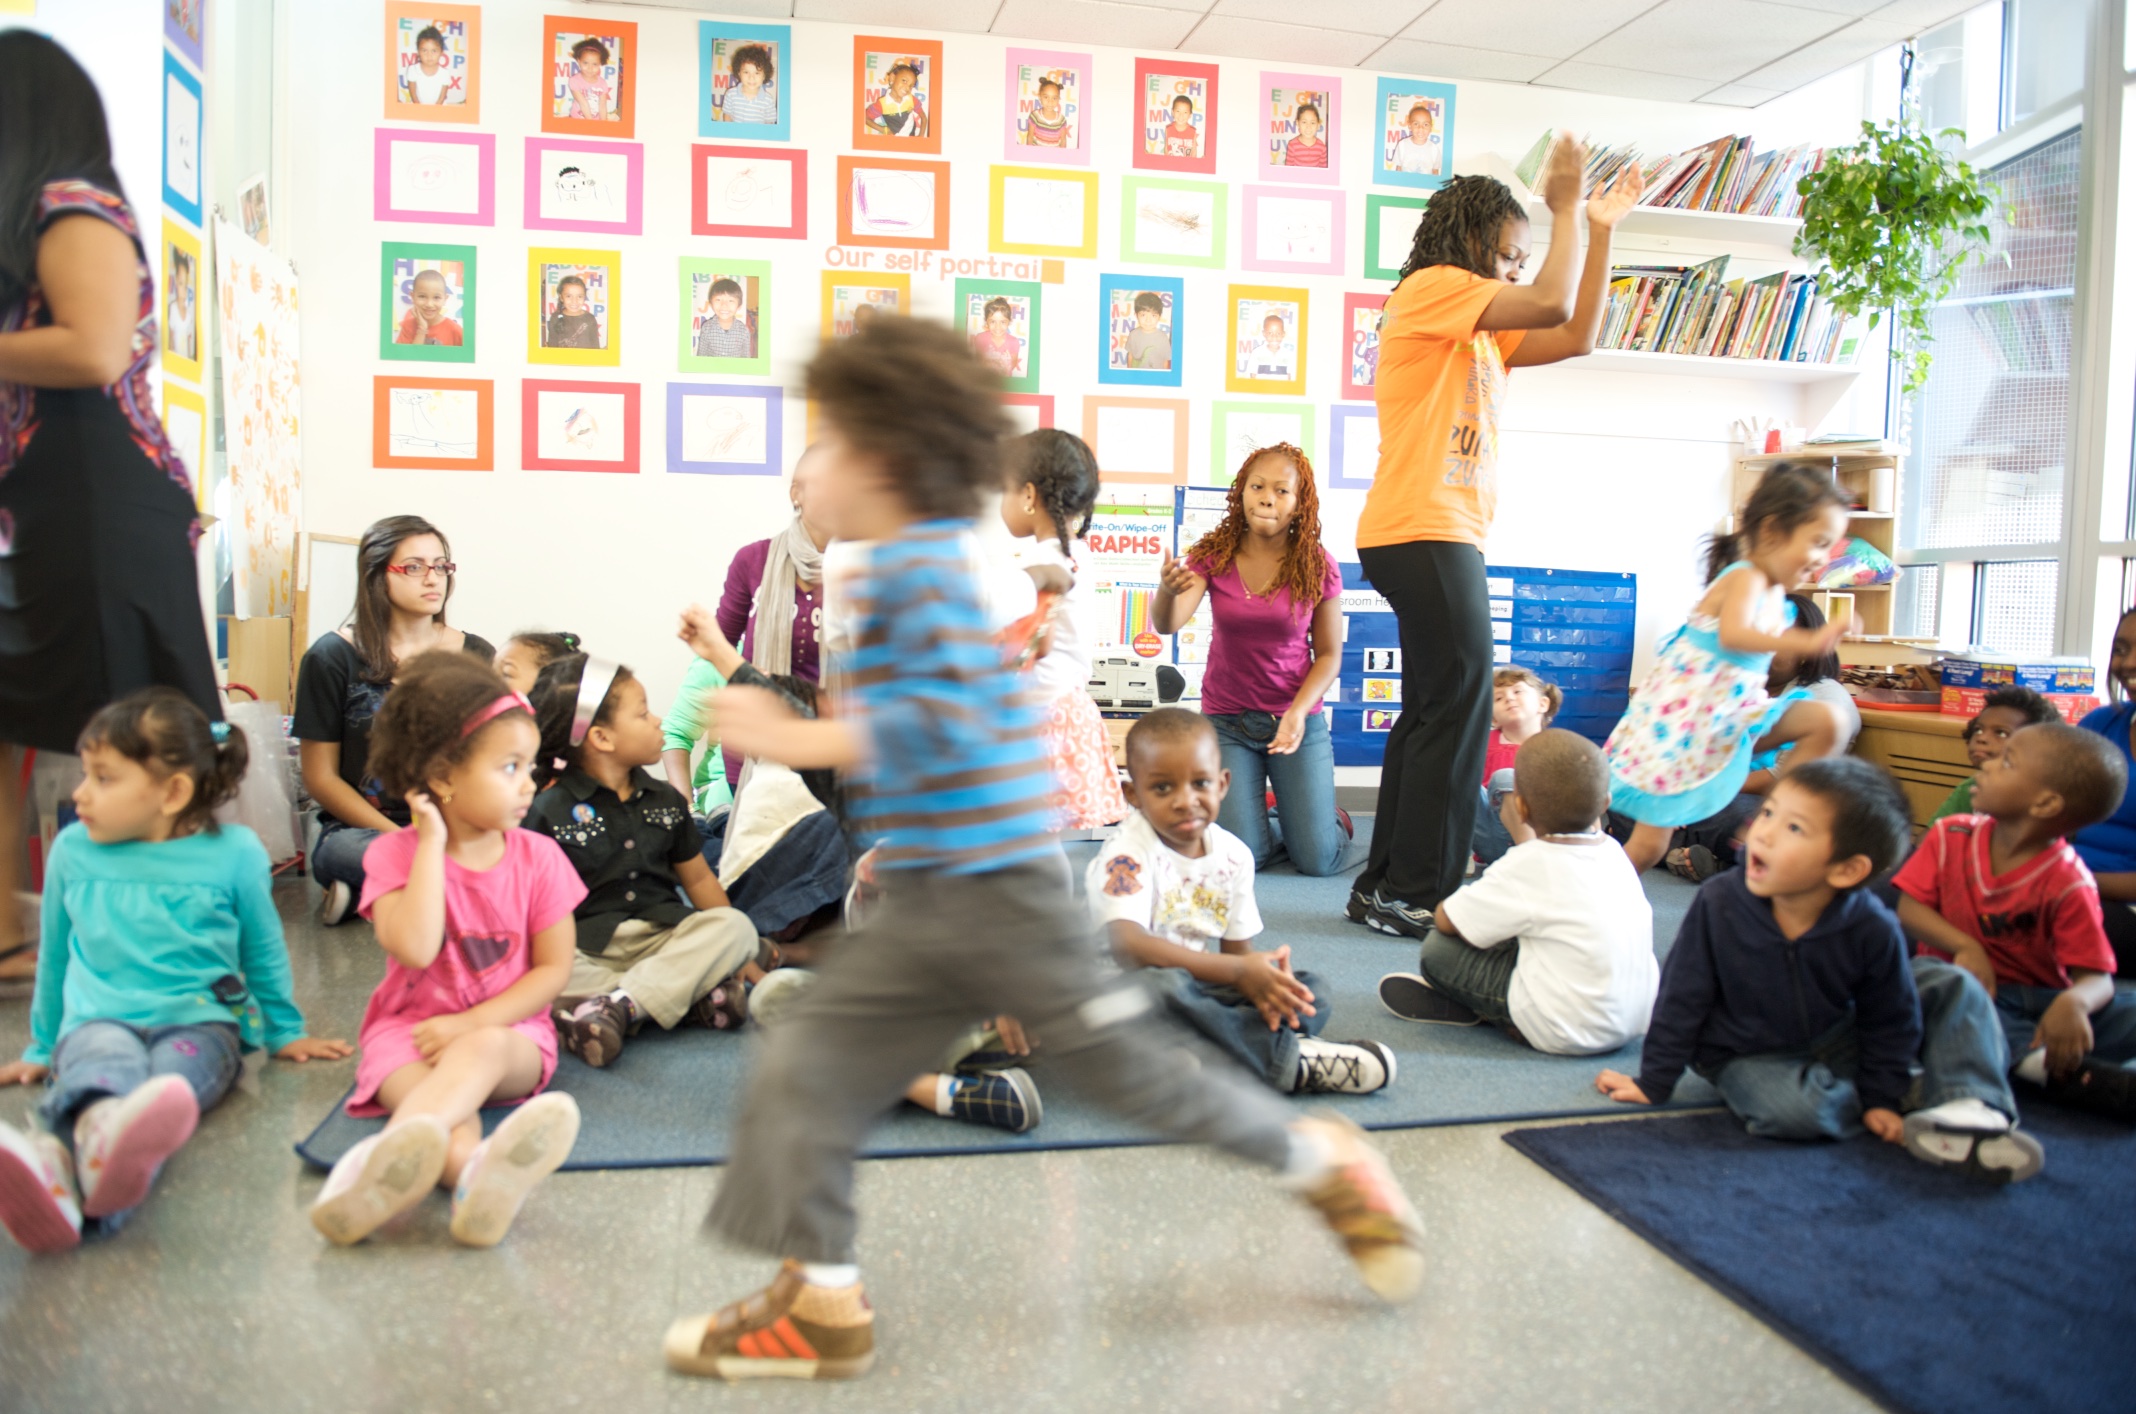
1697 310
1723 175
2026 335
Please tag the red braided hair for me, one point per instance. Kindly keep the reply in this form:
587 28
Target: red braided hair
1305 563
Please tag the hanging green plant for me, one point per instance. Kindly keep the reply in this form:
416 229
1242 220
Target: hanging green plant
1895 218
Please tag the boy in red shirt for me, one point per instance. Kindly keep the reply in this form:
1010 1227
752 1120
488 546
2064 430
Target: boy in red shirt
1522 705
2002 895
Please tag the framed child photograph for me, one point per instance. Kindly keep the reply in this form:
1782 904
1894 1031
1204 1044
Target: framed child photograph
574 307
1139 329
749 191
181 139
725 429
852 297
1267 338
1238 430
437 178
1353 448
1000 318
1046 108
1168 221
573 184
1029 411
1175 116
1042 211
726 316
1390 232
742 90
898 205
426 302
1360 338
567 426
179 310
433 62
897 94
1138 440
1413 133
252 208
589 76
433 424
184 25
185 422
1301 136
1293 232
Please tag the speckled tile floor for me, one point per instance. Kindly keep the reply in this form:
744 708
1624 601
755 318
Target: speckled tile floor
1122 1279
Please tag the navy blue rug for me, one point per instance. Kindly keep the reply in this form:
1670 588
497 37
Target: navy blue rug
1926 1290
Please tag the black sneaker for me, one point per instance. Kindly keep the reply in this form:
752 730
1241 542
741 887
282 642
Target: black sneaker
2099 1088
1998 1156
1391 915
1005 1099
1413 999
1359 908
593 1030
1342 1067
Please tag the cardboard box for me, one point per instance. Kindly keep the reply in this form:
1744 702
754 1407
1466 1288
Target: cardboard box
2072 676
1967 702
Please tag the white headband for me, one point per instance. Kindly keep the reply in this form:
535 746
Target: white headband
594 683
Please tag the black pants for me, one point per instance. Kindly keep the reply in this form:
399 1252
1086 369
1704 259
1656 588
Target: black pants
1434 760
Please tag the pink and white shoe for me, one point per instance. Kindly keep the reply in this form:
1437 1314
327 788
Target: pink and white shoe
531 1143
38 1204
119 1144
381 1178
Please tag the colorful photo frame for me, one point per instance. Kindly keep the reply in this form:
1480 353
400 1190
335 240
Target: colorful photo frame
185 25
1164 138
1168 221
181 318
1353 446
433 68
1254 364
440 328
851 296
1138 440
729 56
1038 127
182 117
1390 231
725 429
1238 429
574 426
749 191
1027 206
1413 134
1141 329
435 177
573 184
433 424
1300 128
1360 345
895 205
1293 231
586 332
589 80
897 95
1001 318
185 422
738 289
1029 411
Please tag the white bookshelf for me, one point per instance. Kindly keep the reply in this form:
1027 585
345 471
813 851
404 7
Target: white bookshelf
1762 237
1671 365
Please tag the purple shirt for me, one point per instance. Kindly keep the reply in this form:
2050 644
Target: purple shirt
737 620
1262 648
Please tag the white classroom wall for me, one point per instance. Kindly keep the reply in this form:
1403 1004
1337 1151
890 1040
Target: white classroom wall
1599 470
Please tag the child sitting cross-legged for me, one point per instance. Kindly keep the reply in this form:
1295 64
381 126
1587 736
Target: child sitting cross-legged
1556 942
2004 896
657 940
1789 989
1174 892
2006 712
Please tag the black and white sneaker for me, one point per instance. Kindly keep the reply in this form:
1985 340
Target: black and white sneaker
1359 908
1413 999
1391 915
334 908
1993 1156
1342 1067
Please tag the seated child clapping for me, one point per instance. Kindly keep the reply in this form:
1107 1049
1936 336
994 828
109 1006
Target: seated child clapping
2006 712
2004 896
162 962
1174 891
1789 989
657 940
1554 943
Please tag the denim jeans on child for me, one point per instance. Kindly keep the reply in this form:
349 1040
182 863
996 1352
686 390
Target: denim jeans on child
2019 1009
1478 978
1228 1021
1810 1094
1490 840
1304 783
337 855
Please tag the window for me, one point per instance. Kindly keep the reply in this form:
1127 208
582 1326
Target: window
1916 601
2043 54
2013 605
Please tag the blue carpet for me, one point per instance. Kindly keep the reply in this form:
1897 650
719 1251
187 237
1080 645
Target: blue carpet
1924 1289
672 1098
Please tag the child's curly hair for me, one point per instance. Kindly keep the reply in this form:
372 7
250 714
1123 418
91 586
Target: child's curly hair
417 734
162 730
1305 563
755 54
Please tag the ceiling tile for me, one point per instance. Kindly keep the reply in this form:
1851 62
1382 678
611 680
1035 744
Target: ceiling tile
1557 29
1828 55
1380 17
1094 22
752 9
1626 83
1277 44
1854 9
1919 15
1451 61
974 16
1716 40
1741 95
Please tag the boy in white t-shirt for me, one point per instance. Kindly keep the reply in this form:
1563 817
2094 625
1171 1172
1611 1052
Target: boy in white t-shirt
1174 892
1556 943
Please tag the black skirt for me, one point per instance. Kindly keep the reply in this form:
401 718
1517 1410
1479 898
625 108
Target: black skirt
98 591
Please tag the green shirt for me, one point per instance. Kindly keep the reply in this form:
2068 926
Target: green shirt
689 718
1958 802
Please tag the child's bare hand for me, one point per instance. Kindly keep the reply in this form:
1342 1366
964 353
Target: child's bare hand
433 1036
700 630
306 1048
23 1073
1013 1039
1178 579
1564 172
1885 1125
1975 960
1265 980
750 719
429 824
1621 1088
2065 1031
1608 208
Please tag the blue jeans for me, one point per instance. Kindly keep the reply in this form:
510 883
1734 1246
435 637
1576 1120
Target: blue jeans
337 856
1490 840
1810 1094
1304 783
2019 1009
1230 1022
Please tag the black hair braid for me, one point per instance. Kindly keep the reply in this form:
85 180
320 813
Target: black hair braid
1461 227
1061 466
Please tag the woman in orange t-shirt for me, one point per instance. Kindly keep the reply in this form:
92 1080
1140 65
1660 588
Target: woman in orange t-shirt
1456 321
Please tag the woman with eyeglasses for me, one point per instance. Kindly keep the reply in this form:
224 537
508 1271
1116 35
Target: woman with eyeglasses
404 575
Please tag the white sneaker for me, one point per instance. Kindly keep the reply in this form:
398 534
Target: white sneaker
120 1144
1342 1067
533 1140
772 999
38 1204
1993 1154
381 1178
336 905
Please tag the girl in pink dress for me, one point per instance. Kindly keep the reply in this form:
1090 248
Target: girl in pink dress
475 918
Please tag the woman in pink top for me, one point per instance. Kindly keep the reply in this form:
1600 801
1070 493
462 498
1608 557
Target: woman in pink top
1277 599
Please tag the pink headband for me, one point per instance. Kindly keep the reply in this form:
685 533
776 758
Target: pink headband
498 708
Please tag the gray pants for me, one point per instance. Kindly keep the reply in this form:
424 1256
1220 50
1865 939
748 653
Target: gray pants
938 950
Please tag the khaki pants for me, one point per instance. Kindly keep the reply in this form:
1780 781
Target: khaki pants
666 969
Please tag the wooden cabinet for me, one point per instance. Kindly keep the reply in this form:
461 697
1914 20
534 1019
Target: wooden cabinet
1870 477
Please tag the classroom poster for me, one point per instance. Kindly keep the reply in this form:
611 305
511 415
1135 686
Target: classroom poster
262 418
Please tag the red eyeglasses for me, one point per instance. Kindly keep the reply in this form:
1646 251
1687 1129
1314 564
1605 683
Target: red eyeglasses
416 569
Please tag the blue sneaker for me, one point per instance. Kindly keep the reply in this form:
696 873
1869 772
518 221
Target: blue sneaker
1005 1099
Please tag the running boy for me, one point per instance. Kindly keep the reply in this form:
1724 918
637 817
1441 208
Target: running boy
949 771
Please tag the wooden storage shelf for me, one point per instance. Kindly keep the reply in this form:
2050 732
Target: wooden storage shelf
1852 468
